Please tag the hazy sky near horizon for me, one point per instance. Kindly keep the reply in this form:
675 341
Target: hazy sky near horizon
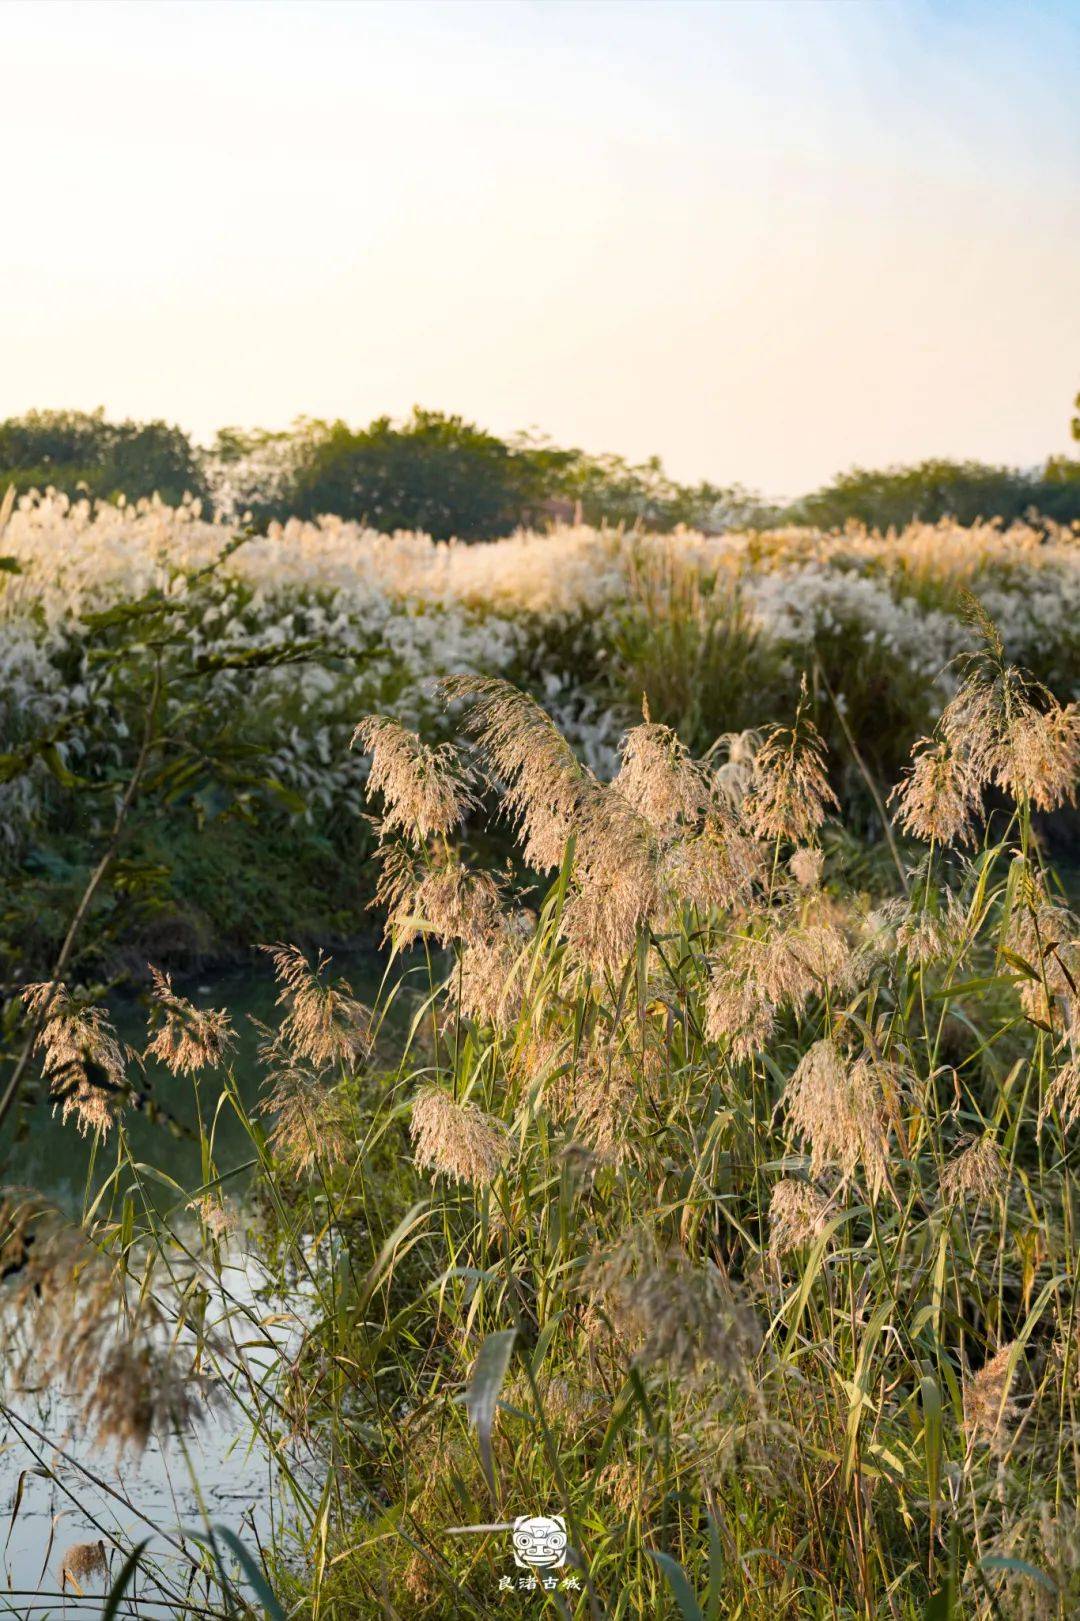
768 240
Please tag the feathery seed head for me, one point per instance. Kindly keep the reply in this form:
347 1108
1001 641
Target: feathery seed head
310 1127
618 876
660 780
187 1038
216 1216
733 779
1063 1094
325 1024
67 1320
425 789
82 1058
600 1093
489 982
927 937
446 900
457 1139
844 1112
1010 729
737 1010
938 797
687 1322
797 1213
989 1411
715 867
1046 936
977 1168
806 866
544 781
789 795
81 1561
140 1392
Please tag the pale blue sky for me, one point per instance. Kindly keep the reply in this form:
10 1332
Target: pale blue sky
766 239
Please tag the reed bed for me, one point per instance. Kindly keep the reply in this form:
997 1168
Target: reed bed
694 1177
717 629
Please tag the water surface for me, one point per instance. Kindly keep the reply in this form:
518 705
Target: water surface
57 1486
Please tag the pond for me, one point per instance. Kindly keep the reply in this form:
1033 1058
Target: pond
57 1487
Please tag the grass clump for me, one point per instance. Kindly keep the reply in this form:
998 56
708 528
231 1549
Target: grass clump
714 1194
765 1181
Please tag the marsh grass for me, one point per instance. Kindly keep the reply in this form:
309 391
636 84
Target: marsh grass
715 1194
686 640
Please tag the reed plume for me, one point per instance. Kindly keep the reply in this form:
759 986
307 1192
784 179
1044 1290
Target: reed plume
789 795
1008 728
444 898
82 1059
927 937
715 866
324 1024
843 1110
1063 1095
977 1169
187 1038
990 1412
659 780
734 777
425 789
69 1322
489 983
737 1009
544 784
797 1213
618 881
686 1321
599 1094
457 1139
81 1561
806 866
311 1127
938 799
1045 936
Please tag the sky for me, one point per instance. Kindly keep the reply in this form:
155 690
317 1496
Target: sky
767 241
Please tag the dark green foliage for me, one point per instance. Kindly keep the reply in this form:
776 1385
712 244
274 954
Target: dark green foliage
890 497
449 478
436 473
609 490
80 453
212 850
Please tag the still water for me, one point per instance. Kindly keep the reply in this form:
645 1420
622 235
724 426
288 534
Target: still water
57 1486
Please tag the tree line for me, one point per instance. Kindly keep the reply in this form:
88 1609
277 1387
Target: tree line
441 474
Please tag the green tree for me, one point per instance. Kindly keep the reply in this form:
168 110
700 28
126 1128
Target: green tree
435 472
610 490
890 497
80 453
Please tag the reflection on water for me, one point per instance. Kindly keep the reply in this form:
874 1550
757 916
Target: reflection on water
57 1487
61 1488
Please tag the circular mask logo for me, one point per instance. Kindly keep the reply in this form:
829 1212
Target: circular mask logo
539 1541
